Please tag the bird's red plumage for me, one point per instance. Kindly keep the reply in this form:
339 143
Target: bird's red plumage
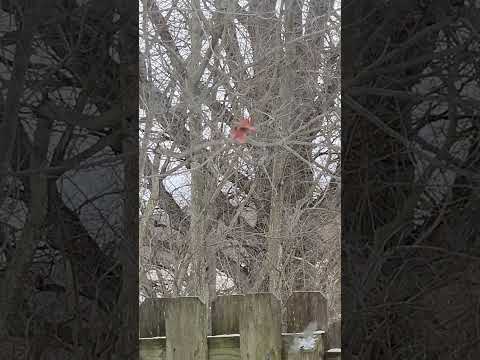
242 129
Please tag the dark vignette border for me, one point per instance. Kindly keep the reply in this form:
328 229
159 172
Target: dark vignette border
410 198
69 179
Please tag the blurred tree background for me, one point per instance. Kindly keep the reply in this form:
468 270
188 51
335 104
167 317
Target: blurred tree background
68 199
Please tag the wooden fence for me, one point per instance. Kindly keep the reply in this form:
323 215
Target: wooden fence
244 327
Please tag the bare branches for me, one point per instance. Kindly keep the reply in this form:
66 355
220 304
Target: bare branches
213 63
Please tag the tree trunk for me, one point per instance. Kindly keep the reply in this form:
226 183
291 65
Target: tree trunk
199 175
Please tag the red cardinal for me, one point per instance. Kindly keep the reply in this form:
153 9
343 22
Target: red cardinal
242 129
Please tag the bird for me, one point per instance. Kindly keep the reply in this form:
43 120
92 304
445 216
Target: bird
306 341
242 129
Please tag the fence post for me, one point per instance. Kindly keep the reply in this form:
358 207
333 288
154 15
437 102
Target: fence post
260 328
186 329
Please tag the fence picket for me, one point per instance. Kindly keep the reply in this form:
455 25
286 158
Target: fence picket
186 329
246 327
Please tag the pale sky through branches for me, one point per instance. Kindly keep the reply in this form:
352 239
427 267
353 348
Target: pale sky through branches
178 182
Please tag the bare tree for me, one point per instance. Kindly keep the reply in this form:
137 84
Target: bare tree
222 217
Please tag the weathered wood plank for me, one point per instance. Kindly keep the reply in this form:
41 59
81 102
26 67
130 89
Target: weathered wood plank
153 348
254 324
186 329
260 328
221 347
224 347
334 335
227 347
152 317
304 308
225 314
